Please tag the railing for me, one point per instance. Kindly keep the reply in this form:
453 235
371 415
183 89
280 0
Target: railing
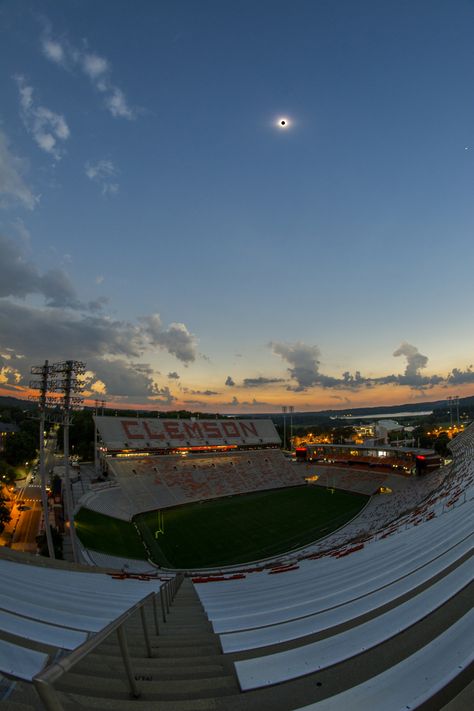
44 681
167 594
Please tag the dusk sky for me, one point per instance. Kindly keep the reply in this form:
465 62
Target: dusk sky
158 222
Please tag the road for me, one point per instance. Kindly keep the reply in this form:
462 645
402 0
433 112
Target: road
23 528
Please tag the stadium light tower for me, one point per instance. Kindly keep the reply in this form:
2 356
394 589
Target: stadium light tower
98 403
66 381
291 410
44 371
284 409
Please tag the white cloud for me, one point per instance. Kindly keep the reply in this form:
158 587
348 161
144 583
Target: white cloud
49 129
53 51
96 68
117 105
176 339
103 172
13 188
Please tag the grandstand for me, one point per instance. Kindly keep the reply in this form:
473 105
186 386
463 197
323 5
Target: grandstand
219 458
384 622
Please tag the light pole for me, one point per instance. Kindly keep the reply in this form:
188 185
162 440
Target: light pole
96 442
291 410
42 386
66 382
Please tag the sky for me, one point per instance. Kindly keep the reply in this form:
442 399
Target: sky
158 223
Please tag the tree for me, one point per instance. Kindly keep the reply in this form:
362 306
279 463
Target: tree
7 472
20 447
441 444
5 516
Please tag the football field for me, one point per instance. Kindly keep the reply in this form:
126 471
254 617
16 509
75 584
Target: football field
239 529
224 531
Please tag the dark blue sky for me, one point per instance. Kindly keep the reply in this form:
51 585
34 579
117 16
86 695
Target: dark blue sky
173 191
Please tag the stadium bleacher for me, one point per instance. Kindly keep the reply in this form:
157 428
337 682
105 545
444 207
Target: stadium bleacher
150 483
383 622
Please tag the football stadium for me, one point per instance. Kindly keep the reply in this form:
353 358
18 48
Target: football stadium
215 573
210 492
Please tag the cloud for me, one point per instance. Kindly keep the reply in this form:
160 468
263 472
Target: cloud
19 277
235 402
53 51
207 393
59 334
95 67
65 327
304 368
97 304
13 188
109 348
103 173
304 365
48 129
121 377
117 105
460 377
229 382
173 376
261 381
163 396
176 339
415 362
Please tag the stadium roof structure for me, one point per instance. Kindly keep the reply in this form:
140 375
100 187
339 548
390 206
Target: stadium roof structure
128 433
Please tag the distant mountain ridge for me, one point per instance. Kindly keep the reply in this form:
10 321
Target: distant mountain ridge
464 402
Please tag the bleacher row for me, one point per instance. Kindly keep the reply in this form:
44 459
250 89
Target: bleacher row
159 482
311 616
51 618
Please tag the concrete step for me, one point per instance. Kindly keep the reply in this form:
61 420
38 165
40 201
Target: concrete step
169 648
163 668
117 688
74 702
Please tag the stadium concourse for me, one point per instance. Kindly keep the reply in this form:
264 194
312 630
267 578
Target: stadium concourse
376 616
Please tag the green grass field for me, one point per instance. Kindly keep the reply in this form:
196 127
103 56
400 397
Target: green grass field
109 535
245 528
224 531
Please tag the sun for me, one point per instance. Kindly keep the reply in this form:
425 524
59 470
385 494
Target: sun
283 123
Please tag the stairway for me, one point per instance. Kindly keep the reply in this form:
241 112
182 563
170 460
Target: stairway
187 672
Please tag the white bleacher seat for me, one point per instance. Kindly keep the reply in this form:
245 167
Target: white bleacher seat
340 612
413 681
290 664
263 600
19 662
58 608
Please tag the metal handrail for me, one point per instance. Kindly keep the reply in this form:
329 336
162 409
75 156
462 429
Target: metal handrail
167 594
43 681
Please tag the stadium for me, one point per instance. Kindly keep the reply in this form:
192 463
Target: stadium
257 583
